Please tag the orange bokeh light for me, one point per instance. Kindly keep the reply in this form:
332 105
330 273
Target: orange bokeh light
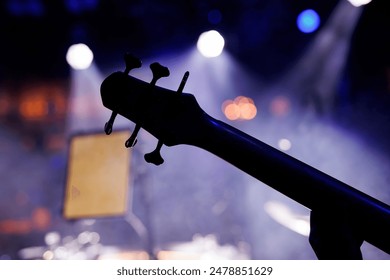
280 106
241 107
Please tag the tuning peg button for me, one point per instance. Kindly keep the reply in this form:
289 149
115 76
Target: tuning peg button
108 128
158 71
109 124
131 62
155 156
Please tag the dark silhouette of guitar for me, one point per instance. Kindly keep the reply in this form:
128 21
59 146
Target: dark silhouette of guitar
342 217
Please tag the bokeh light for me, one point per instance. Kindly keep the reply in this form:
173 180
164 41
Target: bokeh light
241 108
280 106
308 21
284 144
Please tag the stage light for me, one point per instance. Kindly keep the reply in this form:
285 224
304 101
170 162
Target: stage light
79 56
210 43
308 21
358 3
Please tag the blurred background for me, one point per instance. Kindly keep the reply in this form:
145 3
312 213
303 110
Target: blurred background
310 78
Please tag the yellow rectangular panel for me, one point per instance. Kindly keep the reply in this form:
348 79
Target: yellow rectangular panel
98 176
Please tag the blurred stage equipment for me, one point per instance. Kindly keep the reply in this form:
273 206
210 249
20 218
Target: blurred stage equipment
174 118
98 176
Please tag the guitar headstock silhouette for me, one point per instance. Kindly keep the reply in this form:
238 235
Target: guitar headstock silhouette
164 113
174 118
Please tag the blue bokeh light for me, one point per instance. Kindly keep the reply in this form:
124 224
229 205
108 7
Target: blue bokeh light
308 21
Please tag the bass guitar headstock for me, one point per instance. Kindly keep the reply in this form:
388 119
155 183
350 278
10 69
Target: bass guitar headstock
171 116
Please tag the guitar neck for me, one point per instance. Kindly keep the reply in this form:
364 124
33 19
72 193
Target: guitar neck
175 118
297 180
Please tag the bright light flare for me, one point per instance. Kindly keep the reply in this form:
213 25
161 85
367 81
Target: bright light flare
285 216
79 56
210 43
358 3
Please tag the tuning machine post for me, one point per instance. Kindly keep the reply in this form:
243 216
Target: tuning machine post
131 62
155 156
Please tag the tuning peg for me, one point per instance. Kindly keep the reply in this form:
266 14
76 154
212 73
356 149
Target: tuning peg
133 137
108 125
155 156
158 71
131 62
183 82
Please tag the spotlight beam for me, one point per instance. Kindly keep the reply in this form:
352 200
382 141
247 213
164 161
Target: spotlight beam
318 71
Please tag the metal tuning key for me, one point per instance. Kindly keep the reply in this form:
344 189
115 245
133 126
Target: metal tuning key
131 63
155 156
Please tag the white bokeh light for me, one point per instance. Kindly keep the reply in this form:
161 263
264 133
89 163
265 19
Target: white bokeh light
210 43
79 56
358 3
284 144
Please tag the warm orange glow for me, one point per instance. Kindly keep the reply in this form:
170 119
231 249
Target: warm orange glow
280 106
41 218
242 108
40 102
248 111
240 100
231 110
34 107
15 226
